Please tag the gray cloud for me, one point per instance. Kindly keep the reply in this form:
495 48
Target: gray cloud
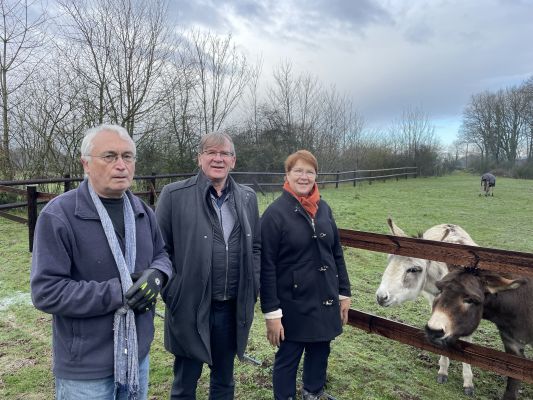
386 54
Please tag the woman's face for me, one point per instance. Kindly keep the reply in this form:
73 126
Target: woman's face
301 178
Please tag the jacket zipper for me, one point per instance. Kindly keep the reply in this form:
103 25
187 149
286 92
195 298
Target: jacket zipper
308 218
227 268
227 255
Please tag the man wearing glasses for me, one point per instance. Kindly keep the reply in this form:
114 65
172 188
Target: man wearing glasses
210 225
98 265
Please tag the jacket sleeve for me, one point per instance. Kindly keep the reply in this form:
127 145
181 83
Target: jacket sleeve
163 212
344 280
270 238
52 288
160 261
256 243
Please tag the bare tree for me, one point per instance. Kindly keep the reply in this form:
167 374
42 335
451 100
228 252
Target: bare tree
252 103
222 73
20 36
514 122
414 130
480 124
124 50
50 120
179 117
282 98
527 89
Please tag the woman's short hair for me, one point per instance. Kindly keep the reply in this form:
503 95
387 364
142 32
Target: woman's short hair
303 155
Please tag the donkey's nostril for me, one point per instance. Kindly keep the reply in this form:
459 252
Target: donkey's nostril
434 334
382 299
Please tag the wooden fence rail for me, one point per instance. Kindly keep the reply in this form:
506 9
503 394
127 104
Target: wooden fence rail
471 256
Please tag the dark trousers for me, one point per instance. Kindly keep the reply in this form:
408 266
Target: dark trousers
286 366
223 350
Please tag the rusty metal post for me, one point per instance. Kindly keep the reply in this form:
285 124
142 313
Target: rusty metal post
151 198
67 184
31 197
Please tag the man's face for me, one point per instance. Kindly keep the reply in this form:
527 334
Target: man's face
110 179
217 161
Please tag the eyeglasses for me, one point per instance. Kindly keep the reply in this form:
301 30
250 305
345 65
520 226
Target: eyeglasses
213 153
301 172
110 158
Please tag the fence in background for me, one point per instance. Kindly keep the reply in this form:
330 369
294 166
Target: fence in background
148 187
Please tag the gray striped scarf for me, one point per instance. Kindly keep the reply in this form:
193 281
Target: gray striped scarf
125 334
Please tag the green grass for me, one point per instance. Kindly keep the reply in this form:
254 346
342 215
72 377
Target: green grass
361 365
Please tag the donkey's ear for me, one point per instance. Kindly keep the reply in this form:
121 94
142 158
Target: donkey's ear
394 229
495 283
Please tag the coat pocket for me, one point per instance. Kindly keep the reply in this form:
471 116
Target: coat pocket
171 293
77 340
303 284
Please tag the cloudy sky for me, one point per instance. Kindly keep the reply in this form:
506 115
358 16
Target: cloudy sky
385 54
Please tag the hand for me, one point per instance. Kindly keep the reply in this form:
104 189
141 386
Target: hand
345 306
143 293
275 332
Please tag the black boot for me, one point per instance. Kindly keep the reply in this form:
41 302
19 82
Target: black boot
311 396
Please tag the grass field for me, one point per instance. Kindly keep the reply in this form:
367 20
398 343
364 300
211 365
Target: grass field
362 366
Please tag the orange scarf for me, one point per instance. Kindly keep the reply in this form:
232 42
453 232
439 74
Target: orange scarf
309 202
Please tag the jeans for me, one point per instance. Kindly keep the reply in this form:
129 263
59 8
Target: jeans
286 366
101 389
187 371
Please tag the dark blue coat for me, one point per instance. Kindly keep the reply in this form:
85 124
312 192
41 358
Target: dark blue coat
74 277
302 270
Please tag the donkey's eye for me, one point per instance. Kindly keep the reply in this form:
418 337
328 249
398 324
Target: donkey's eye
414 270
470 300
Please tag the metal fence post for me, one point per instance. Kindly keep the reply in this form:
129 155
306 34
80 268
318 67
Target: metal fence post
151 198
66 185
31 197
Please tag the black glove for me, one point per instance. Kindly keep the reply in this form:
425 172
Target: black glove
143 293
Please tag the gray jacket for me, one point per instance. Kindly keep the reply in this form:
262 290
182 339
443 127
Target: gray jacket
74 277
183 216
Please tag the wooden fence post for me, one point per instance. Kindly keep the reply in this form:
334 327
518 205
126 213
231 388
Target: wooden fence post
337 181
66 186
31 197
354 178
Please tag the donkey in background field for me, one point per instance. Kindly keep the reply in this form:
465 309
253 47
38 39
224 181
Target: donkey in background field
405 278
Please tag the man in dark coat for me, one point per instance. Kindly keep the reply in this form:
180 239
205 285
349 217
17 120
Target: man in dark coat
210 225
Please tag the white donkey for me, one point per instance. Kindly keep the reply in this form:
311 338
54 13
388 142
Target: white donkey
405 278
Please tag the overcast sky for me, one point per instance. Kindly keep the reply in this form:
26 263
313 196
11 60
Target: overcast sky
386 55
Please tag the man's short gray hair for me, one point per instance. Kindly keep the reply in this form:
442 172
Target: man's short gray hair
87 143
215 139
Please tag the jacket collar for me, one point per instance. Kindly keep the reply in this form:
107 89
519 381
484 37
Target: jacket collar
204 183
86 209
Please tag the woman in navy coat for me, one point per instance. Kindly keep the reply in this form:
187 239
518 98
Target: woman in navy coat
305 289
